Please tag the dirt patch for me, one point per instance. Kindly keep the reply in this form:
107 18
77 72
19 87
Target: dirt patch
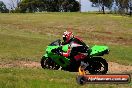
28 64
117 68
113 67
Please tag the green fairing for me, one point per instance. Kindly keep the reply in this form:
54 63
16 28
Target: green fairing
65 48
98 50
49 48
62 61
45 55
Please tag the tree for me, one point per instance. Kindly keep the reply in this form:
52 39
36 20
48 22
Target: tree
71 6
3 8
123 6
102 4
130 6
49 5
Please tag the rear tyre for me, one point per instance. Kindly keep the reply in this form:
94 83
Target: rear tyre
98 65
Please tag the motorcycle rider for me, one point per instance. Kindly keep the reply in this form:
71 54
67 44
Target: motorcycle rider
77 49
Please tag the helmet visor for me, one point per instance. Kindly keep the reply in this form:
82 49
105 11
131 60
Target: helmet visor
64 38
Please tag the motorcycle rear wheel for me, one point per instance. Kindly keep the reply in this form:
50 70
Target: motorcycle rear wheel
98 65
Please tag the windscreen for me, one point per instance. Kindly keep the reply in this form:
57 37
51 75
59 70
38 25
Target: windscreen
56 42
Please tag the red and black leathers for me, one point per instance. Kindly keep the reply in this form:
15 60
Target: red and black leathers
77 49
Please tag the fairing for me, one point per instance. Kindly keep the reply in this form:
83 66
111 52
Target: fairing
99 50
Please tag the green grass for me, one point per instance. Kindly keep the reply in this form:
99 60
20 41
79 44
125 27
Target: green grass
39 78
25 37
120 54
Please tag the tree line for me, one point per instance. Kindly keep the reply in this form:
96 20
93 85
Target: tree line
117 6
3 8
48 6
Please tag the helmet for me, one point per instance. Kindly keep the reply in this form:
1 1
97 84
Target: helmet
67 36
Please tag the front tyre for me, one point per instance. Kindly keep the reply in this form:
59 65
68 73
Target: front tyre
48 63
98 65
43 62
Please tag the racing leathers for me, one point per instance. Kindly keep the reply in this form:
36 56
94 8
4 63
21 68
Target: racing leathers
77 49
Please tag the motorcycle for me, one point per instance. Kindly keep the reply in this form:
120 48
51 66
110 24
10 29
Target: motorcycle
95 64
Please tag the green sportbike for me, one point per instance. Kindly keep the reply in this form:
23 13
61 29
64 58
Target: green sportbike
95 64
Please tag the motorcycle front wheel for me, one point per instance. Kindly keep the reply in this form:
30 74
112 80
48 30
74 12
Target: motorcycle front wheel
47 63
